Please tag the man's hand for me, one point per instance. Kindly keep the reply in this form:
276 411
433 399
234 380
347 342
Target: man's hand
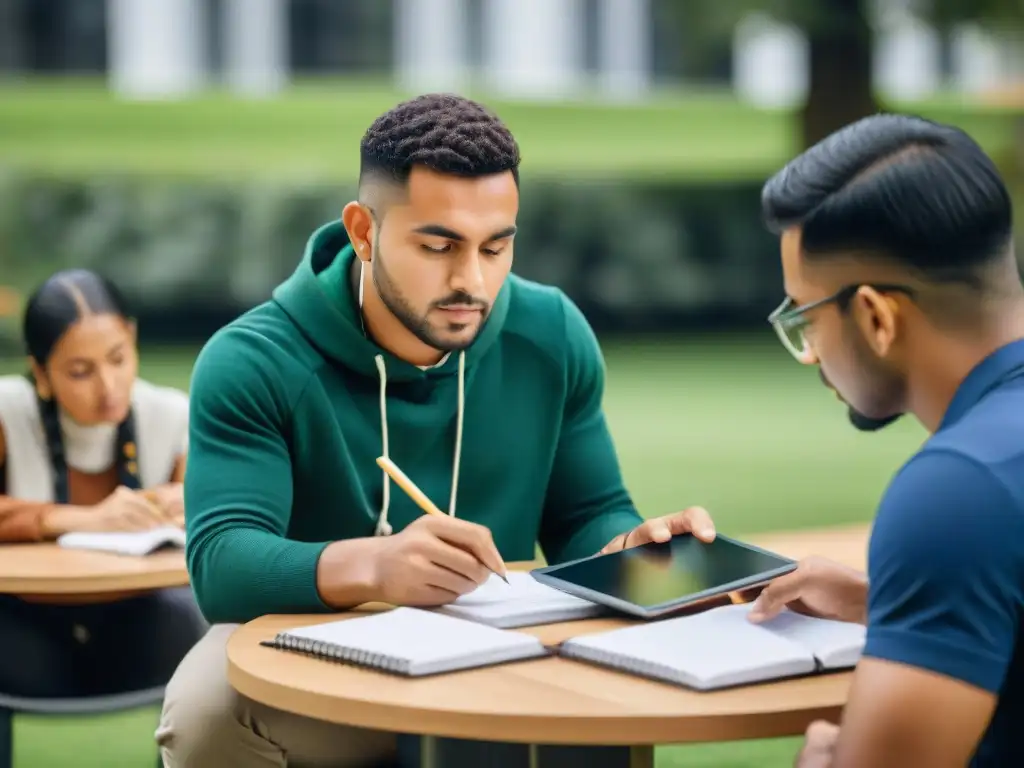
694 520
433 561
819 745
818 587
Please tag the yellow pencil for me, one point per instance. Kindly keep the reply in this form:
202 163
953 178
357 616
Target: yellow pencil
414 493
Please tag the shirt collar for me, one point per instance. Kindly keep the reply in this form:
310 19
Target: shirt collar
983 378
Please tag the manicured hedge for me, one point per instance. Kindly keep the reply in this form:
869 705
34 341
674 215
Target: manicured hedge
312 133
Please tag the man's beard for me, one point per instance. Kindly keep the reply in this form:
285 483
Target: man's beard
418 325
866 423
859 421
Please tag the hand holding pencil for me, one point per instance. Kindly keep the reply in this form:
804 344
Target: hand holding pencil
489 556
437 557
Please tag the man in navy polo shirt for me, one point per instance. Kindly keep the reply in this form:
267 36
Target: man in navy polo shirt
902 287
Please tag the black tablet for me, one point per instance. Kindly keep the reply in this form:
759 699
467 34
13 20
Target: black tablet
653 580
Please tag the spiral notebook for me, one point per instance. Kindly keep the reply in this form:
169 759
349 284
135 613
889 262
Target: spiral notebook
410 642
720 648
523 602
136 543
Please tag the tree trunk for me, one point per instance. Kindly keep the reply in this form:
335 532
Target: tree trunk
840 71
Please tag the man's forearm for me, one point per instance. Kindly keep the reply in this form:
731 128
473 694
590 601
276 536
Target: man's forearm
346 573
239 574
242 573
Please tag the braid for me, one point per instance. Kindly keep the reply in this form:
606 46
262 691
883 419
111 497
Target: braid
55 448
127 451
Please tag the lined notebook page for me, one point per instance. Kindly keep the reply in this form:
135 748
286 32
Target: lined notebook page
412 641
713 649
522 602
125 543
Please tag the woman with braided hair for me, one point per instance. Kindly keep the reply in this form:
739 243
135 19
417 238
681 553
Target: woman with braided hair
85 445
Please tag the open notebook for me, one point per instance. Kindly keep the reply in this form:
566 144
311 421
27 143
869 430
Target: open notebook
410 642
720 648
522 602
133 543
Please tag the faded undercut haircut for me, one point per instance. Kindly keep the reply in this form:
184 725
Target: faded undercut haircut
918 193
446 133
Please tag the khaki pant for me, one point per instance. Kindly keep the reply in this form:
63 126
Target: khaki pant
206 724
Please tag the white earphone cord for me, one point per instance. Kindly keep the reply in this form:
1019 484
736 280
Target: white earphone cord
383 526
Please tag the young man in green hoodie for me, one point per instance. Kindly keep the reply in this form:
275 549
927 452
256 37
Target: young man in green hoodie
400 334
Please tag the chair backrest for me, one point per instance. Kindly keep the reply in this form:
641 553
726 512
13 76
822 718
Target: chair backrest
85 705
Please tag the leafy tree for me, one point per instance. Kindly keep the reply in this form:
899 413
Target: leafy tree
840 37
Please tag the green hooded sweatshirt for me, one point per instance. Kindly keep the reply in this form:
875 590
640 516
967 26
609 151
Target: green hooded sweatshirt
291 404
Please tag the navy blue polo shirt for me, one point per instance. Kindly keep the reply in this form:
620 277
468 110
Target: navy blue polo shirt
946 558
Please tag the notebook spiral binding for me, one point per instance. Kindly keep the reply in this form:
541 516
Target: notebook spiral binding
321 649
617 661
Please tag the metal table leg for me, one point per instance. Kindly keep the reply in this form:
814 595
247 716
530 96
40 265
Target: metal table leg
558 756
428 752
641 756
456 753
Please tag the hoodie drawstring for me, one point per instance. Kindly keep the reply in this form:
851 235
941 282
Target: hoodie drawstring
383 526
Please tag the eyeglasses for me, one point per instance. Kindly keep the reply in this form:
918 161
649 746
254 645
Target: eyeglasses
790 321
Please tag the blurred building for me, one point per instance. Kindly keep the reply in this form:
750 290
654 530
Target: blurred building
522 48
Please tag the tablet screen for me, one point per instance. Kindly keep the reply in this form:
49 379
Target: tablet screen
655 574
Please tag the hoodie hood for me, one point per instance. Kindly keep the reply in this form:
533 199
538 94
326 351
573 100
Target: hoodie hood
333 324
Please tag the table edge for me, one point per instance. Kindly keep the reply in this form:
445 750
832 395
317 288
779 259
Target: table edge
627 729
78 585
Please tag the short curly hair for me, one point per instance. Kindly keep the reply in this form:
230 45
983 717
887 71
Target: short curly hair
444 132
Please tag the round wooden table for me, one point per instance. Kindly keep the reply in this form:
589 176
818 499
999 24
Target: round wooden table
545 701
48 572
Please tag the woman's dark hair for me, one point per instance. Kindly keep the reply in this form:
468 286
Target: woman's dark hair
51 310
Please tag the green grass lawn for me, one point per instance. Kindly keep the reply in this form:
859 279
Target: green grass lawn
732 424
312 131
